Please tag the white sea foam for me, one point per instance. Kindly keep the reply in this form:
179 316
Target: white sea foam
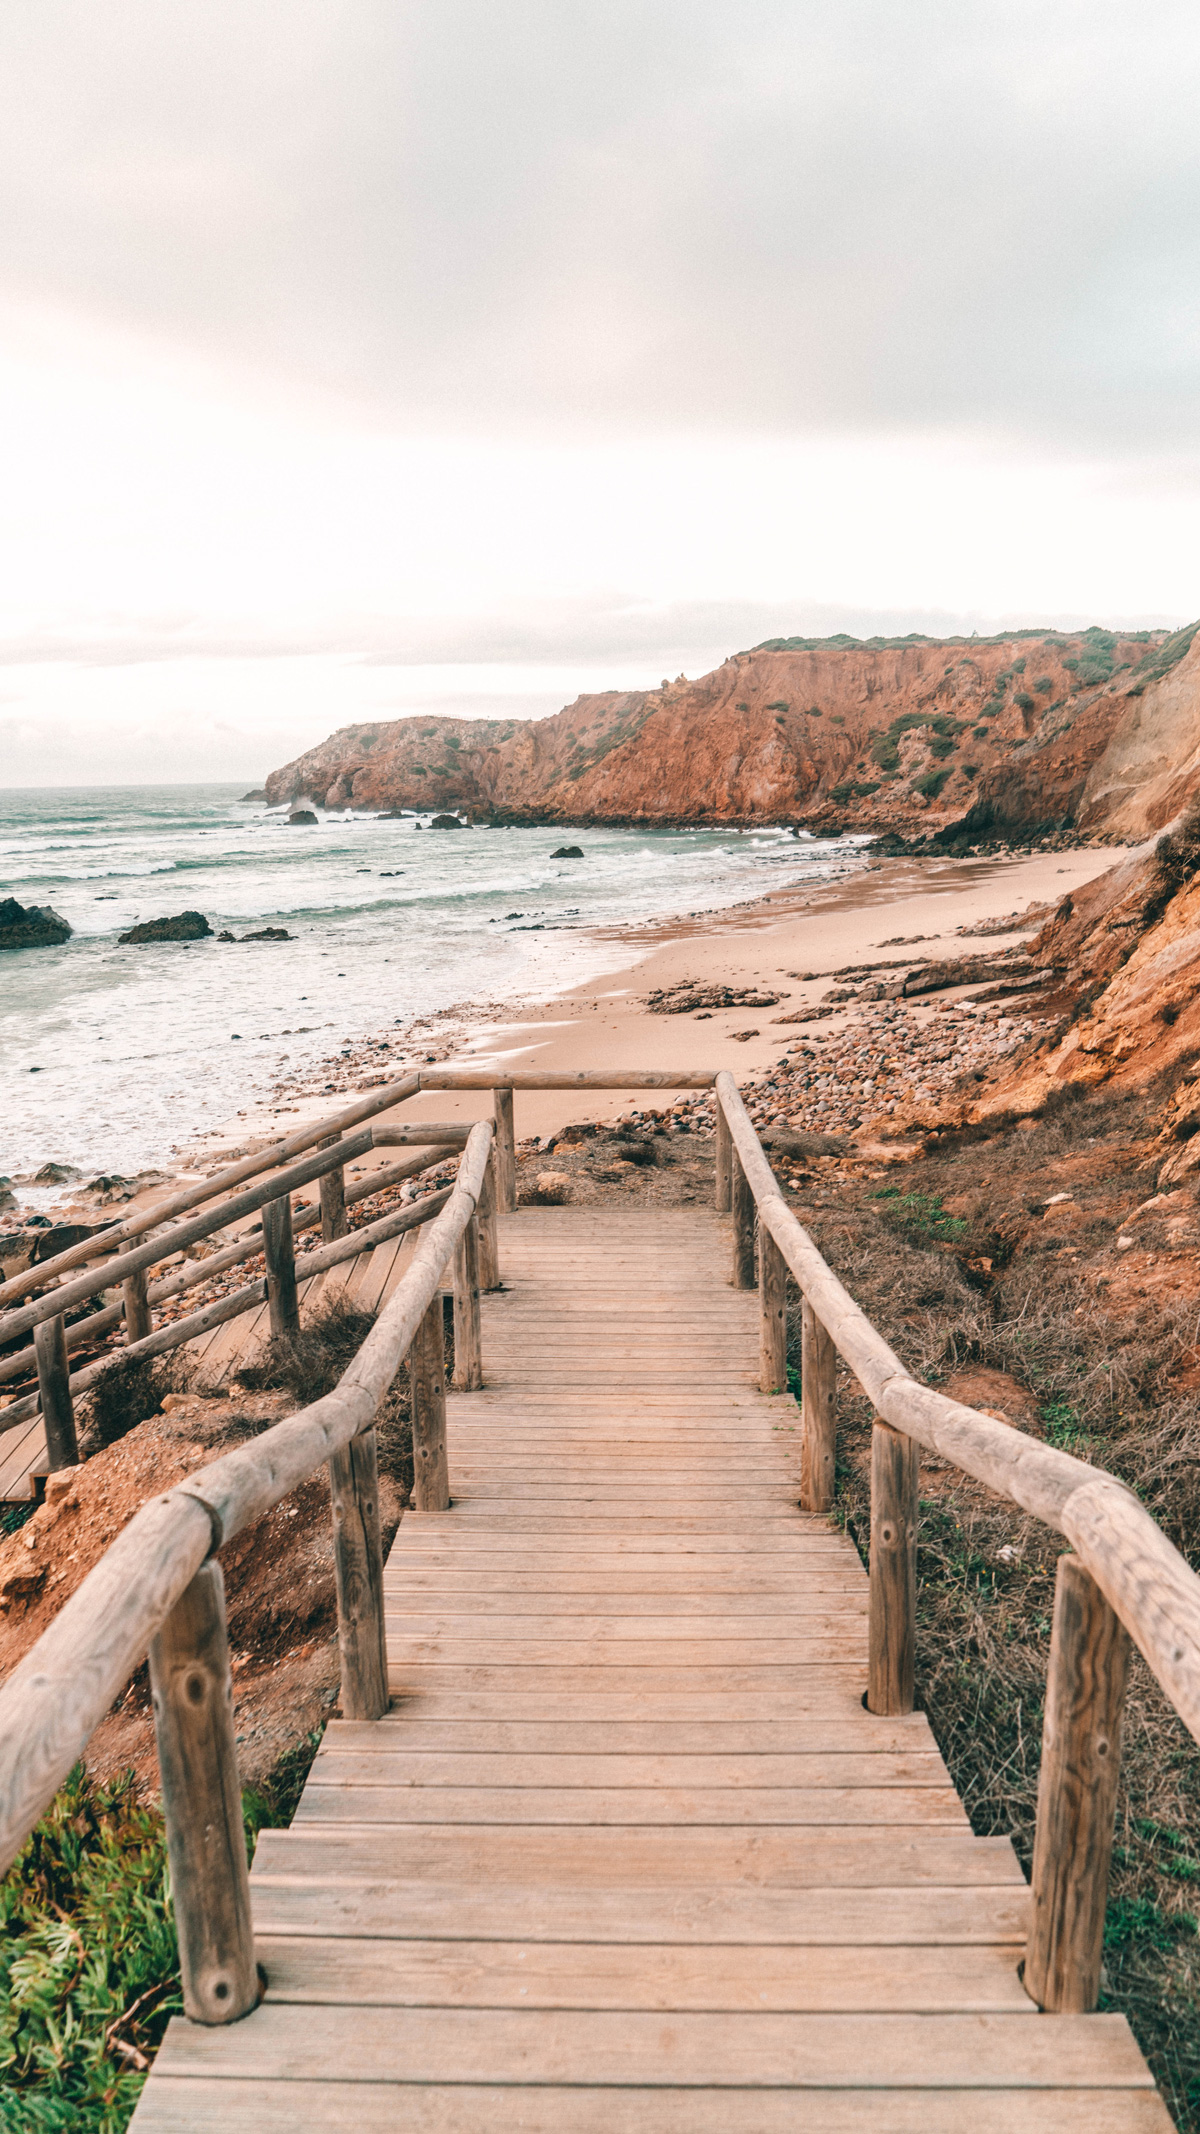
137 1049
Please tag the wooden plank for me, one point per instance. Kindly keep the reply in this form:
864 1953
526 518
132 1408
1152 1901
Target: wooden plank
695 1806
368 1972
869 2052
397 1765
649 1858
599 1626
739 1917
173 2105
412 1727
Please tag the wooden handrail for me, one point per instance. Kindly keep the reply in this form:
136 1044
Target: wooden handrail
61 1690
1124 1580
197 1272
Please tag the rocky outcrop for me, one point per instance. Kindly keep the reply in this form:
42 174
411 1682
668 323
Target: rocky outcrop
30 925
950 736
185 926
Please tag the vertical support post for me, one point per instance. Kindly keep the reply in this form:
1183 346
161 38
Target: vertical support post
468 1344
485 1216
139 1319
505 1145
895 1466
772 1317
54 1386
333 1198
743 1224
818 1412
723 1201
1077 1794
427 1374
279 1250
202 1803
358 1573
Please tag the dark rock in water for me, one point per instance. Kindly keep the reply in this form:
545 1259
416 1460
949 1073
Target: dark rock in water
225 935
302 816
447 822
185 926
269 933
56 1174
30 925
8 1198
568 852
394 815
60 1237
257 793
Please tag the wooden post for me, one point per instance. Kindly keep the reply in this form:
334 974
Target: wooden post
772 1321
485 1216
333 1198
1077 1794
54 1386
505 1145
427 1375
280 1252
895 1465
139 1319
358 1574
742 1197
818 1412
723 1201
202 1803
468 1346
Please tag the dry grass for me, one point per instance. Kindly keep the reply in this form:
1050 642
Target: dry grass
1105 1380
310 1365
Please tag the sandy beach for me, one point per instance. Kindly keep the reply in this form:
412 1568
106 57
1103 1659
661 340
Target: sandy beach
869 915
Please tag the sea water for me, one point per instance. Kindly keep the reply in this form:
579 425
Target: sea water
113 1056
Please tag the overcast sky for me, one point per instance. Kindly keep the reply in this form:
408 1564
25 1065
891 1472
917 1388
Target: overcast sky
358 357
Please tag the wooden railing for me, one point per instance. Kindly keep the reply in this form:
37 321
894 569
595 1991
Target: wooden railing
159 1588
1125 1580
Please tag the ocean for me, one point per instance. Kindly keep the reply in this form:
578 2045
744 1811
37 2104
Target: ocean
113 1057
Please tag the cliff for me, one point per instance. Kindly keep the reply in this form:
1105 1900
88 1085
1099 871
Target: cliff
914 735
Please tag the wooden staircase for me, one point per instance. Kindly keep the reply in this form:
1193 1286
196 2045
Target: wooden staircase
628 1855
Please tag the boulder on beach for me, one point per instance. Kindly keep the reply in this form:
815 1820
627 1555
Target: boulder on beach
447 822
301 817
184 926
30 925
56 1174
270 933
568 852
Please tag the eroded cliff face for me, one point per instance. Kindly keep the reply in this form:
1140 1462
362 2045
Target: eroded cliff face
1125 952
916 735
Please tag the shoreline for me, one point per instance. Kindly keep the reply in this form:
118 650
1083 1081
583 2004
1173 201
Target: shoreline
786 942
762 943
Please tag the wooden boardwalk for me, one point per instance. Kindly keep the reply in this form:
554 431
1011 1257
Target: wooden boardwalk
628 1856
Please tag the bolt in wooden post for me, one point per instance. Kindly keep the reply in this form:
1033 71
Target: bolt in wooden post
333 1198
485 1216
139 1319
54 1386
818 1412
743 1224
202 1803
468 1346
895 1465
427 1374
505 1145
358 1573
1077 1794
723 1201
772 1319
279 1249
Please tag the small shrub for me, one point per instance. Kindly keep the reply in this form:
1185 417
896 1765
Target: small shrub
1044 685
782 705
941 745
130 1391
931 784
1023 700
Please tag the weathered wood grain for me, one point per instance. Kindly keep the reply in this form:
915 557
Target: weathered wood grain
358 1576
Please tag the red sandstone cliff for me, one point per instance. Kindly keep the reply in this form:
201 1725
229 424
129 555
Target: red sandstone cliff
908 735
